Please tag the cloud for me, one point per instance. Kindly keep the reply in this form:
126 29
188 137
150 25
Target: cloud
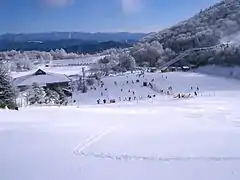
131 6
58 3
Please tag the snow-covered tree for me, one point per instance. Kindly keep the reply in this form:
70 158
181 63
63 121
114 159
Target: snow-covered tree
62 96
151 53
7 95
36 94
127 62
52 97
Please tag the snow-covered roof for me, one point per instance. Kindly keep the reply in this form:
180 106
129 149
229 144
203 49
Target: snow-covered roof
41 78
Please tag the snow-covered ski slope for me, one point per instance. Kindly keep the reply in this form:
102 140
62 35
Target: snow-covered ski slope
165 138
126 86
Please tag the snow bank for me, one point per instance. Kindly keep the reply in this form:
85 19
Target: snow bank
229 72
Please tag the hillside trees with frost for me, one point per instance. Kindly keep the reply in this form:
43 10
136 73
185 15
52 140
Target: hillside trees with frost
220 23
22 61
117 62
151 54
126 62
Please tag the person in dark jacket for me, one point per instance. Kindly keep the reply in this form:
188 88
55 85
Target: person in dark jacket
195 93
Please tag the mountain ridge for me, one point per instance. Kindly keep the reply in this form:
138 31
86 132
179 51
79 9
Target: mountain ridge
51 36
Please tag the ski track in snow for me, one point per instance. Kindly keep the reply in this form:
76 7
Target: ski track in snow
127 157
93 139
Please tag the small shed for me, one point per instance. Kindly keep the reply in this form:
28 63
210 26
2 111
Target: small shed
186 68
153 70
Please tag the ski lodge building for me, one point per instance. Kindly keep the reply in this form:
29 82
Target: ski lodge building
43 79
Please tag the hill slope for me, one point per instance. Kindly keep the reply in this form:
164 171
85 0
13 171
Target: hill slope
207 28
218 24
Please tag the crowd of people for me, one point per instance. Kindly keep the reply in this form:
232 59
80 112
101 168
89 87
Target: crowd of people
126 90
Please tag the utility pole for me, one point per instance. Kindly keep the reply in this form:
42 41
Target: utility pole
84 88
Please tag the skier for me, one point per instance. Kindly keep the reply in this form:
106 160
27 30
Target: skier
195 93
104 101
98 101
151 86
179 96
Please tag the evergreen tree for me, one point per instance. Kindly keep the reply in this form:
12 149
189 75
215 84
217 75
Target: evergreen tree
52 97
36 94
62 95
7 95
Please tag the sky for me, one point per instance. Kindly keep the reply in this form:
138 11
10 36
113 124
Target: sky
32 16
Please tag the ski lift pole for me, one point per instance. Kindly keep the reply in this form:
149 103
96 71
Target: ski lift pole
83 80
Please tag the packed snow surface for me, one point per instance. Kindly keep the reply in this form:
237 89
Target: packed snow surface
231 72
161 138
